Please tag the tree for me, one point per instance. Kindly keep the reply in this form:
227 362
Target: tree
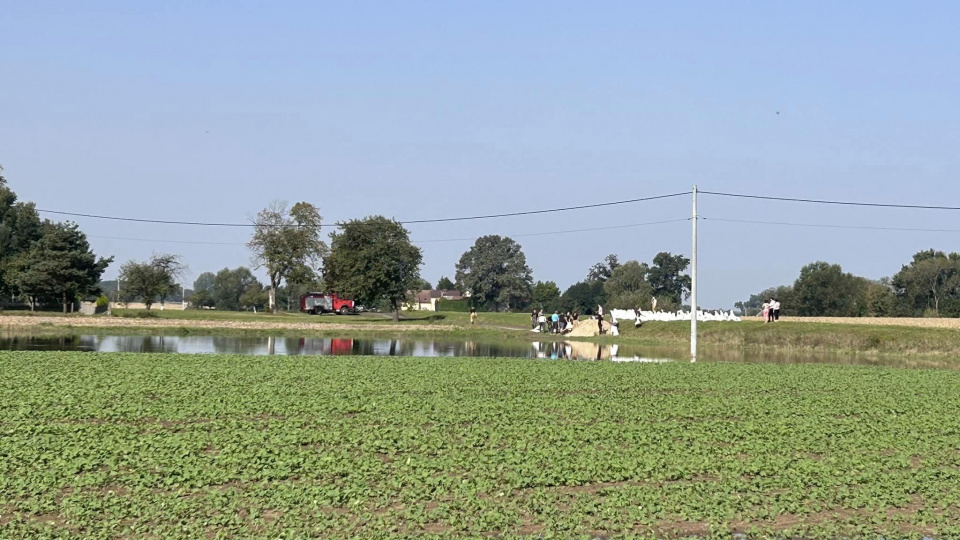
546 295
60 265
603 270
20 228
929 285
666 279
583 297
230 285
424 286
824 290
254 297
881 299
627 287
495 273
152 280
284 241
203 291
445 284
372 260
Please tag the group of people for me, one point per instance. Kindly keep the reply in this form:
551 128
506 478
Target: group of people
558 323
562 323
770 310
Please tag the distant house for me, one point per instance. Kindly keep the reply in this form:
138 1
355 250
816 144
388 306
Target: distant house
426 300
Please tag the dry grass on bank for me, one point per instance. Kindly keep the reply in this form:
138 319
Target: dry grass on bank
880 321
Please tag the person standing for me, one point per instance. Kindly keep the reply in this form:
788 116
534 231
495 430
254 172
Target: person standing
473 315
533 319
555 322
542 321
776 309
765 310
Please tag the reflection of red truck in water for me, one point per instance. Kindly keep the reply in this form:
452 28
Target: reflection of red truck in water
325 347
317 303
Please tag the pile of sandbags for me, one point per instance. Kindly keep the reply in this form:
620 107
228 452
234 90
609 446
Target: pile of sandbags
588 328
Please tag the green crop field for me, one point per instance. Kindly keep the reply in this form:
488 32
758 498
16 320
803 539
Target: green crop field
167 446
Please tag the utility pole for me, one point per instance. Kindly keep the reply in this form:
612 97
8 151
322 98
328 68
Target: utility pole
693 284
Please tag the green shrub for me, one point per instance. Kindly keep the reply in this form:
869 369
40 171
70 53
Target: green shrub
460 306
103 304
147 315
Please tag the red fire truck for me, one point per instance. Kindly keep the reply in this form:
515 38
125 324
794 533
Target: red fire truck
316 303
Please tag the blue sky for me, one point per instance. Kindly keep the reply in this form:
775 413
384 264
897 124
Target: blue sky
415 110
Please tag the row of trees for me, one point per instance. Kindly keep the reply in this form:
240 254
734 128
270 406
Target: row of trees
928 286
630 285
43 262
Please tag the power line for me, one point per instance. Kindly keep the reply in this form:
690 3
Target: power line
828 226
532 212
438 220
564 232
820 201
170 241
413 240
138 220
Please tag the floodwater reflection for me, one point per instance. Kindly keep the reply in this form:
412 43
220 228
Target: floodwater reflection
558 350
569 350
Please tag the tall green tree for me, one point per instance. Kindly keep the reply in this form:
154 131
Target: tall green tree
203 291
546 295
60 266
825 290
152 280
444 284
230 285
666 277
284 242
929 285
603 270
627 287
372 260
583 297
424 286
20 228
495 273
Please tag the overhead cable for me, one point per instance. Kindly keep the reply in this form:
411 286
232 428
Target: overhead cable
822 201
413 240
411 222
829 226
564 232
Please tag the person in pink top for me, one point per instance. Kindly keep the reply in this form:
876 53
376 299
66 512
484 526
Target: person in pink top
766 312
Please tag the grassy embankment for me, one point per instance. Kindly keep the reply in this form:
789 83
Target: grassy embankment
863 336
169 446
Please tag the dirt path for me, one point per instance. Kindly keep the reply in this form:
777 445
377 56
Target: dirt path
117 322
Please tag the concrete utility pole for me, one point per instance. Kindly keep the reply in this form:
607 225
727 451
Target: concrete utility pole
693 284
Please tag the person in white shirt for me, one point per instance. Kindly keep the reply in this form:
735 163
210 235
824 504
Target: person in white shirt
775 305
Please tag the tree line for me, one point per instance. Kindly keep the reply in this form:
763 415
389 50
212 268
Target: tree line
927 286
44 262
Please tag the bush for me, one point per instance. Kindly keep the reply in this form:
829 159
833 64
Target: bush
459 306
103 304
147 315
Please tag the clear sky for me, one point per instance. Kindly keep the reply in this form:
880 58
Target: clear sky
210 110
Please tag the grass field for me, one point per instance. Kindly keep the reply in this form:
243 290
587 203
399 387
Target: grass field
166 446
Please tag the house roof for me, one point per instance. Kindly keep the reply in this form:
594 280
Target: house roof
425 296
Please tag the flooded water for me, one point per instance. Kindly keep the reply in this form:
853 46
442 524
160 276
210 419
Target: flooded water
575 350
567 350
